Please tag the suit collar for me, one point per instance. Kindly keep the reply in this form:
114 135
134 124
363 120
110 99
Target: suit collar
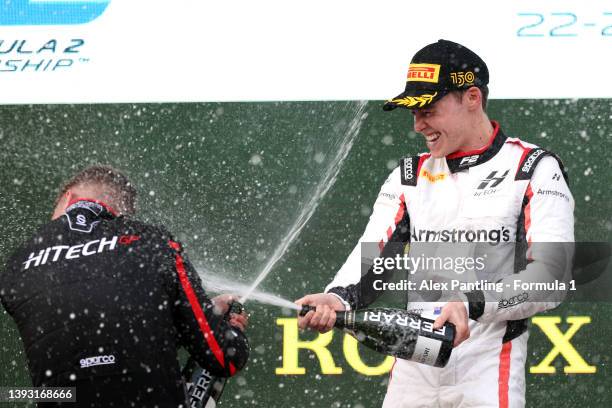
459 161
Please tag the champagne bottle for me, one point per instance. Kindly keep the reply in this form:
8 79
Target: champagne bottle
397 333
203 388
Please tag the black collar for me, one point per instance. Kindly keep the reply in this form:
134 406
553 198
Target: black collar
84 214
99 208
463 160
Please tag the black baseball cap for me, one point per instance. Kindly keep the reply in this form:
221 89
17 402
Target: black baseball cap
436 70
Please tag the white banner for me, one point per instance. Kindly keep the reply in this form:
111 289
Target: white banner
80 51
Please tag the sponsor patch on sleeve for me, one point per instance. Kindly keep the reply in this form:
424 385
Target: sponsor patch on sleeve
529 163
409 168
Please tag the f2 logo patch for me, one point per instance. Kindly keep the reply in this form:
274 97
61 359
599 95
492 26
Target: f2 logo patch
466 161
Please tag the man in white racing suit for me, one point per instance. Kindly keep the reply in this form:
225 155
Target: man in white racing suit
475 185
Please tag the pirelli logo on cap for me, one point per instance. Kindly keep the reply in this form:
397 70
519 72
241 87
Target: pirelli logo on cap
423 73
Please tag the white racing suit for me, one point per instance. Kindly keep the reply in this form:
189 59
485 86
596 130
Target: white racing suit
507 192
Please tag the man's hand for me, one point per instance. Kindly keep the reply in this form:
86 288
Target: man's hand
324 317
222 304
456 313
239 321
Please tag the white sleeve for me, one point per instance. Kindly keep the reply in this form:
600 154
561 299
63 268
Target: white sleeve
388 211
549 228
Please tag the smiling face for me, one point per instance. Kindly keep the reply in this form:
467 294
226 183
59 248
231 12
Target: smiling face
452 123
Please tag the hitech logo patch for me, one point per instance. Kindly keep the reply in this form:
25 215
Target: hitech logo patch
50 12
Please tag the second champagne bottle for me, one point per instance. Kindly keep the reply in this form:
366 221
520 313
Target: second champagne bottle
398 333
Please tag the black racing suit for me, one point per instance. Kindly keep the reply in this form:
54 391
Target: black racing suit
102 304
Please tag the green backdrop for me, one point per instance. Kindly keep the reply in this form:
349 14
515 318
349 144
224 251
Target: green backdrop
229 179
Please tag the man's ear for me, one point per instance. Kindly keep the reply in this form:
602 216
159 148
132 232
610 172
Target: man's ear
473 97
62 203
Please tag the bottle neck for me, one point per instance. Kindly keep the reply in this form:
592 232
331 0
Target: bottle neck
345 319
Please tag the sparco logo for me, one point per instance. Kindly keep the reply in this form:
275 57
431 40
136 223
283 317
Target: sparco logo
408 170
97 360
513 301
531 159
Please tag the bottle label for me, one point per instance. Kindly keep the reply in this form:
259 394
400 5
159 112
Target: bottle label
426 350
199 390
405 320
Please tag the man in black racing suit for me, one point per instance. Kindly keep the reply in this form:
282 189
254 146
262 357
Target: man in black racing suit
103 302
